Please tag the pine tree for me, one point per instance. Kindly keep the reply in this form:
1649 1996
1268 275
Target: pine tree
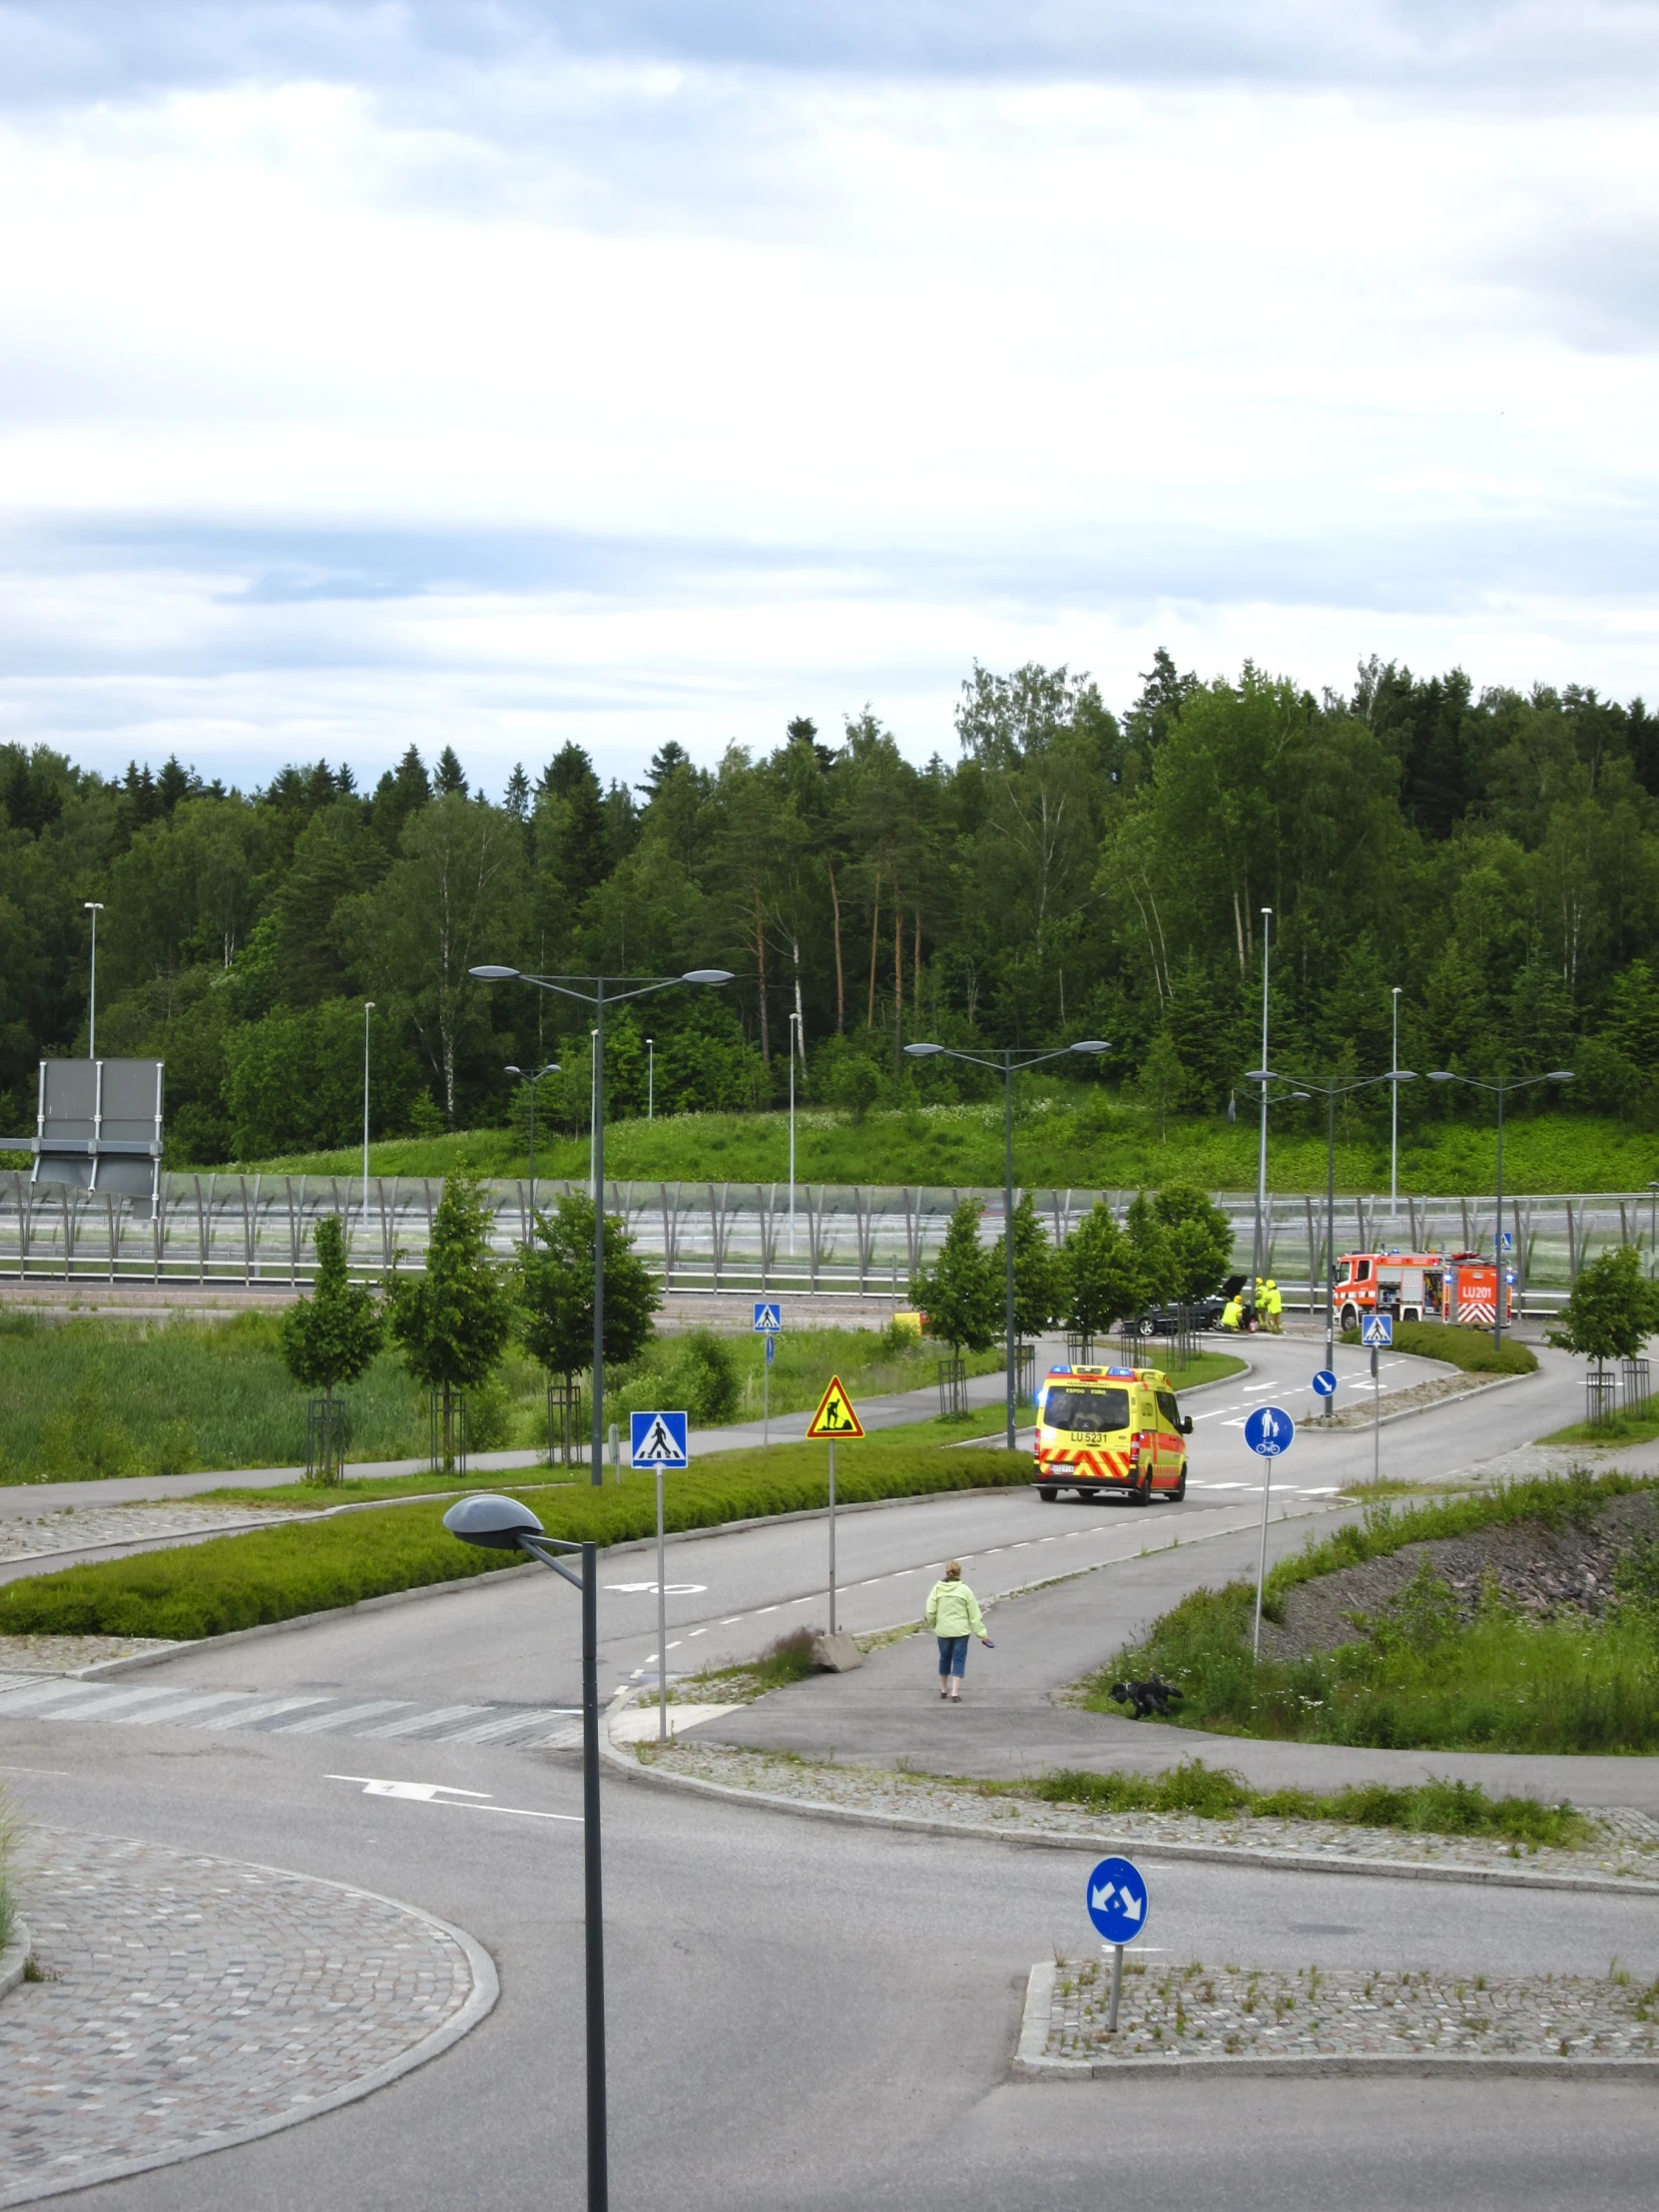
449 777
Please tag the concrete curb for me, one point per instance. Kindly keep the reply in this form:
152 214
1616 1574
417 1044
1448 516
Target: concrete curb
1031 2065
1221 1854
486 1989
15 1954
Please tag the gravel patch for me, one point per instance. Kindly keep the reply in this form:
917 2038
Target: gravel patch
85 1527
1360 1410
22 1655
1625 1843
1198 2012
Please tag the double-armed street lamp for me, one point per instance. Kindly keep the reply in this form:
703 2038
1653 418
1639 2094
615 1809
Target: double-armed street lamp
1331 1092
599 991
94 906
1010 1065
1501 1090
552 1068
506 1524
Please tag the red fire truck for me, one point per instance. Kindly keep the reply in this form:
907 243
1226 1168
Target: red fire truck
1421 1286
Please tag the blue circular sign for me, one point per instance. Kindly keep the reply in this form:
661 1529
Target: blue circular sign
1117 1901
1325 1383
1269 1432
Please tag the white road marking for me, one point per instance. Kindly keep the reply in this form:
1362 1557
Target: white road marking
670 1589
443 1793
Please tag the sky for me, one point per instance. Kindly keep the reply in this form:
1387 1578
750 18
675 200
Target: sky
510 373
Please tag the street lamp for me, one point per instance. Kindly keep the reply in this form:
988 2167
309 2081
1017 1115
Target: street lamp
650 1079
1393 1120
368 1009
1261 1157
591 990
504 1525
794 1032
94 906
1501 1089
1331 1092
1009 1064
552 1068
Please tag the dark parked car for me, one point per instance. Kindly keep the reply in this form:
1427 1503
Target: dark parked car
1167 1320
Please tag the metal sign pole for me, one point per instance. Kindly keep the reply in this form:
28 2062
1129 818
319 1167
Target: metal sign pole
832 1535
662 1621
1261 1563
766 1385
1376 1419
599 2186
1117 1990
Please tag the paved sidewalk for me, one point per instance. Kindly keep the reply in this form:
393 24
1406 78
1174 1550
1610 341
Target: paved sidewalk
196 2003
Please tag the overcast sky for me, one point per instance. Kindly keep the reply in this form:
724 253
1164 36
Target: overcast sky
507 372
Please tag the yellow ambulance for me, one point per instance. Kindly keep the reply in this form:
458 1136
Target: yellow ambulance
1105 1431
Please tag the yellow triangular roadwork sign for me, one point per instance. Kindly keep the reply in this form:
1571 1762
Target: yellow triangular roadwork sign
834 1417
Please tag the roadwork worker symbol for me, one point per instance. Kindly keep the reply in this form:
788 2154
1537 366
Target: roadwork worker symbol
834 1417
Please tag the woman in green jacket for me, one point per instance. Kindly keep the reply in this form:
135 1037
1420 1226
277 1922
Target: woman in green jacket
953 1615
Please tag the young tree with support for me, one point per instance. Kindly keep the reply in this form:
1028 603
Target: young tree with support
452 1322
555 1291
330 1338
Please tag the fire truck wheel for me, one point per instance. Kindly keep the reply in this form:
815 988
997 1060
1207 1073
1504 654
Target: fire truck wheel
1350 1316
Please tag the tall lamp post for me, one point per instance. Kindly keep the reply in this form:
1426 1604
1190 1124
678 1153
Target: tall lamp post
1501 1090
795 1032
94 906
504 1525
1255 1260
599 991
1393 1120
368 1009
552 1068
649 1079
1008 1066
1331 1092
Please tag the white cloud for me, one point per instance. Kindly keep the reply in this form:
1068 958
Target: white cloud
654 392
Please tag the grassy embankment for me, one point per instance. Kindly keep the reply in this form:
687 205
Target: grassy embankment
1421 1677
85 1399
1064 1140
279 1573
1470 1349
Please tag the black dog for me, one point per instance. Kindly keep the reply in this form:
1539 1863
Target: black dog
1151 1696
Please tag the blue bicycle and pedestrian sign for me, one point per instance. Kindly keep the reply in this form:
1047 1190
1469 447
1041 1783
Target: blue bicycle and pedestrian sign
1269 1432
658 1440
1325 1384
1117 1901
1377 1331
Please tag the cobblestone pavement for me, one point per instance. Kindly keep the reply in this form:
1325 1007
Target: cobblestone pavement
193 2001
85 1527
1198 2012
1626 1842
149 1703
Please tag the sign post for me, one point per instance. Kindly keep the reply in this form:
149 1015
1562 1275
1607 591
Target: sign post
1116 1896
834 1417
1377 1331
1325 1386
768 1322
659 1441
1269 1432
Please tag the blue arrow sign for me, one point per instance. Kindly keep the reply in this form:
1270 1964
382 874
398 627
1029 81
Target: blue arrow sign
772 1348
769 1316
1269 1432
1325 1383
657 1440
1377 1331
1117 1901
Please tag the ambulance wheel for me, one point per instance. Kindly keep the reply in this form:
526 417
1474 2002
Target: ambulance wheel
1141 1494
1180 1490
1047 1493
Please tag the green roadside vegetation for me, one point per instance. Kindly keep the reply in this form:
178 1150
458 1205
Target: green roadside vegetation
1424 1674
1638 1425
1066 1138
279 1573
8 1843
1214 1792
1471 1350
85 1399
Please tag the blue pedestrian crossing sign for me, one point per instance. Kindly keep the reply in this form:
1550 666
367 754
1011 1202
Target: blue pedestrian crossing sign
1377 1331
1325 1384
769 1317
657 1440
1117 1901
1269 1432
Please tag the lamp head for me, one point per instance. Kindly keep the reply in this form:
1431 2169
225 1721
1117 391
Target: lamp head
1300 1097
1259 1075
921 1051
493 1523
552 1068
512 1071
1559 1075
489 974
1091 1044
1441 1075
706 975
1402 1075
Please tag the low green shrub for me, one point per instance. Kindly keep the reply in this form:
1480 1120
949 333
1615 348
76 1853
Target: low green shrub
1437 1808
1471 1350
277 1574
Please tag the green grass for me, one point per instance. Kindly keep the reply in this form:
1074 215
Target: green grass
1638 1427
1065 1138
1214 1792
8 1845
82 1400
1471 1350
279 1573
1420 1677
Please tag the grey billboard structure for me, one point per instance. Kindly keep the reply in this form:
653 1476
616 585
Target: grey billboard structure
98 1127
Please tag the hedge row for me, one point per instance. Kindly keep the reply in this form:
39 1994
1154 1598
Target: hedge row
1471 1350
277 1574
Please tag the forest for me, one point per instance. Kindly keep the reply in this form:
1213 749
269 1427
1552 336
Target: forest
1074 871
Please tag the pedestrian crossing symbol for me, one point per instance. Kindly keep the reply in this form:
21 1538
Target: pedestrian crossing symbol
657 1440
834 1417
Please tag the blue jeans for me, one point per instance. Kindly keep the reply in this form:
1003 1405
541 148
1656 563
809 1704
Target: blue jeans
953 1655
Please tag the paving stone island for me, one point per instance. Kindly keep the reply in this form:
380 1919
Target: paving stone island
1623 1843
1195 2011
87 1527
193 2002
